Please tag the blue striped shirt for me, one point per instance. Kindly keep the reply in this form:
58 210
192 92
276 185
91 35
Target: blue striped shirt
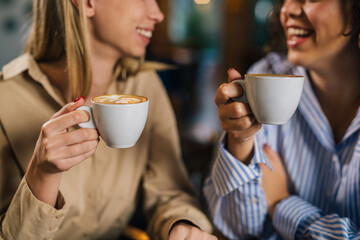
324 177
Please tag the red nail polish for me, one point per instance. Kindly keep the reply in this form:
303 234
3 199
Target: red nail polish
229 70
78 98
266 146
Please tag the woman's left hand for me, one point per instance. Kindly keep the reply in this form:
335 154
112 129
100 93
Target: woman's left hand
274 183
182 231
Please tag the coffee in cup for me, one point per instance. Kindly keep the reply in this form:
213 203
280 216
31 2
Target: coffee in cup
273 98
119 118
119 99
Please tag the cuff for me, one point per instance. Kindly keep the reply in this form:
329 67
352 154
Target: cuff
292 217
228 173
29 218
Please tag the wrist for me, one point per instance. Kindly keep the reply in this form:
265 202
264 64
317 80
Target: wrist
44 186
272 208
243 150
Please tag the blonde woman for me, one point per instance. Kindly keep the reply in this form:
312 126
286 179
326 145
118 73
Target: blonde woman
61 182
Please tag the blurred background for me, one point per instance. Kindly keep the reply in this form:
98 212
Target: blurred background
202 39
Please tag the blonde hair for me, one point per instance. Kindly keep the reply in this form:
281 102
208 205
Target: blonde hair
60 28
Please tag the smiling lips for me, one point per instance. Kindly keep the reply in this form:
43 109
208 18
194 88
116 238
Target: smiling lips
296 36
144 32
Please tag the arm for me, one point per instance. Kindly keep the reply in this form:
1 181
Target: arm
235 197
22 215
236 119
33 207
293 217
169 197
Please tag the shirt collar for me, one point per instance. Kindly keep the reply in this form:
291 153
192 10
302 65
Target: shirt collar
313 114
27 63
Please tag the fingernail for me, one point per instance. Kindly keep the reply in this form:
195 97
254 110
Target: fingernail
78 98
230 70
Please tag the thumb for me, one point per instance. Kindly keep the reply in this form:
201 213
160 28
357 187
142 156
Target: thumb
233 74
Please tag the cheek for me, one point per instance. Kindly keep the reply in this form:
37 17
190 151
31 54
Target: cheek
326 19
282 19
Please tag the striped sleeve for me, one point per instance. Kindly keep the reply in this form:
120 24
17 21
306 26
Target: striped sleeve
294 218
228 173
236 200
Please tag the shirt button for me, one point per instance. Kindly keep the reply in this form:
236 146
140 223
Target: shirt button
59 216
254 200
52 228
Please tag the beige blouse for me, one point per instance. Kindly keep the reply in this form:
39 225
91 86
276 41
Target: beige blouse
100 194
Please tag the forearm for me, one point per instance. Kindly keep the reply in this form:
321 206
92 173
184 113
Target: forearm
294 218
29 218
240 213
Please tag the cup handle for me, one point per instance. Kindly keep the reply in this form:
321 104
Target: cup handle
90 123
243 97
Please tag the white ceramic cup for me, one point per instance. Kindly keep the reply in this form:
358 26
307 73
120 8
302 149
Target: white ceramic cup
273 98
119 124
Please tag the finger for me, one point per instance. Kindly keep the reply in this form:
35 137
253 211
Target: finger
63 122
178 234
72 106
68 163
234 110
271 155
195 234
233 74
75 137
227 91
240 125
72 151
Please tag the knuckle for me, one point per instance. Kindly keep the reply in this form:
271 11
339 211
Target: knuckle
45 131
247 122
83 148
221 94
222 115
238 109
223 91
83 134
77 117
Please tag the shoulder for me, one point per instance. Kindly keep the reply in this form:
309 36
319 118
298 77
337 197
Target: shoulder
149 77
274 63
16 67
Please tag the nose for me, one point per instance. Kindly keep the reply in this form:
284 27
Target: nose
155 13
292 8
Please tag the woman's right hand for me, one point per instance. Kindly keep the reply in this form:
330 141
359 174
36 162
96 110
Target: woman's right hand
58 149
236 119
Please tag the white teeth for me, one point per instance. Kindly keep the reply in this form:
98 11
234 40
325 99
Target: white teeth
145 33
298 31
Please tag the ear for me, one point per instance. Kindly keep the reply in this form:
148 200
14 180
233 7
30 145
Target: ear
89 6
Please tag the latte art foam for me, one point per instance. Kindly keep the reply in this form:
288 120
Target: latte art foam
119 99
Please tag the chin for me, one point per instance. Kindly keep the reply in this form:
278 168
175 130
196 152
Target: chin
138 52
133 52
295 58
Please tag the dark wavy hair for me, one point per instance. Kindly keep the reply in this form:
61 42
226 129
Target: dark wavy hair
277 40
